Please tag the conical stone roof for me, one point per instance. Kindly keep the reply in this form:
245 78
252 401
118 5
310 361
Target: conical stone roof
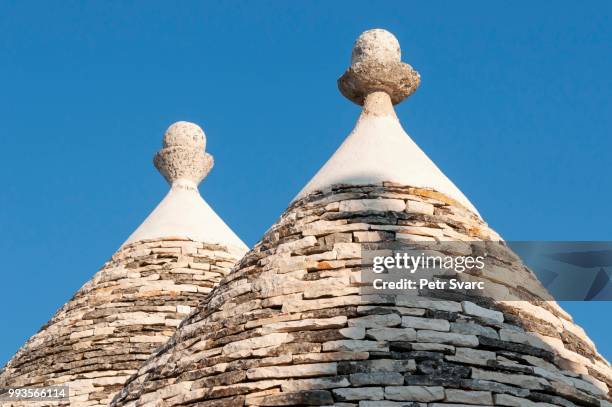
296 324
135 302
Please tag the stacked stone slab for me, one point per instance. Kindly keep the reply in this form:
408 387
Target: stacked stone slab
295 324
292 326
136 301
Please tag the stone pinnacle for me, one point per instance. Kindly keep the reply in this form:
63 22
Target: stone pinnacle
182 158
376 66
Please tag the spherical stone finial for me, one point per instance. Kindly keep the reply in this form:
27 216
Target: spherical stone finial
376 44
376 66
185 134
182 156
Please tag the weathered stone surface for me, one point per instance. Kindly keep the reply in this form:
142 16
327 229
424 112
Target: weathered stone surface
347 250
442 369
377 365
519 336
392 334
308 370
426 323
354 345
133 305
371 310
470 308
419 302
495 344
354 332
305 324
495 387
376 378
309 397
447 337
472 356
292 386
414 393
296 244
470 328
519 380
363 393
328 356
469 397
436 347
419 207
396 205
376 321
373 236
553 400
511 401
257 342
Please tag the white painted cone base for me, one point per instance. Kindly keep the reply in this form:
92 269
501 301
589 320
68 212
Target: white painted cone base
184 213
379 150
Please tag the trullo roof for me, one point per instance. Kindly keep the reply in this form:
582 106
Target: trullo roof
298 324
135 302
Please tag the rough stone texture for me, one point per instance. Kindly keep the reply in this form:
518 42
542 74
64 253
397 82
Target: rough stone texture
182 155
376 66
171 162
185 134
376 45
117 319
294 325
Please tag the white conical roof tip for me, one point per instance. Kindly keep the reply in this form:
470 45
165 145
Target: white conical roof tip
378 150
182 156
376 45
184 163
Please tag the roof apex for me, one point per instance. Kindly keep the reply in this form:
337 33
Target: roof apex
378 149
183 212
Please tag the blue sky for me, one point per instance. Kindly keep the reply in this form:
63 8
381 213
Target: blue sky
514 107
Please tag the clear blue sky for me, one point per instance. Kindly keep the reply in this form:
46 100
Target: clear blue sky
514 106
